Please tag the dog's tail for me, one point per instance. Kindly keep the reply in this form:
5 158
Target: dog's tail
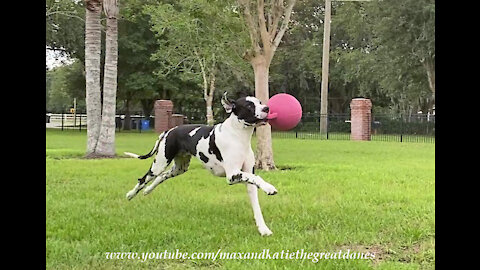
152 152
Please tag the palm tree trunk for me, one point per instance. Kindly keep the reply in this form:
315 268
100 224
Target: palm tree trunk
92 72
106 140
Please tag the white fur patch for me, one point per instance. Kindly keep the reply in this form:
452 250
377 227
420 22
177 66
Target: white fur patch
131 154
193 132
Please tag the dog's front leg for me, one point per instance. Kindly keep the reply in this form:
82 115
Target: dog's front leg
257 212
252 191
250 178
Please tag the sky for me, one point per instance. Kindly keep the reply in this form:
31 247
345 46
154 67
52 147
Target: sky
55 59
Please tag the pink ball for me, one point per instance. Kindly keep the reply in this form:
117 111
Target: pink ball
285 111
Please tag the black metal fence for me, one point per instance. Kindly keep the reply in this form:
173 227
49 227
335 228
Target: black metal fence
399 128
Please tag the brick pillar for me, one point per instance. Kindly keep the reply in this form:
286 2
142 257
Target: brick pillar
176 120
361 118
163 113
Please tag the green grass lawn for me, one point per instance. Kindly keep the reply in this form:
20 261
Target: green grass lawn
333 195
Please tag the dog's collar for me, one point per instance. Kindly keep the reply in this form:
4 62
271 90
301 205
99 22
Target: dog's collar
245 124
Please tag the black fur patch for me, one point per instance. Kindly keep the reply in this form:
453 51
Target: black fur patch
212 147
179 140
142 180
203 157
235 178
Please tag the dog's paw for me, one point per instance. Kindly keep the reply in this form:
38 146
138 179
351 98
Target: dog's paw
269 189
131 194
147 191
264 231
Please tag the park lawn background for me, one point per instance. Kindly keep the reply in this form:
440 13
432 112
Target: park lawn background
333 195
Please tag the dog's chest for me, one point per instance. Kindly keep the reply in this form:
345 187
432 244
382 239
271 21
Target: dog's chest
211 157
215 168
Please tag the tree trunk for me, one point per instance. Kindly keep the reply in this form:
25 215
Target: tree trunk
430 68
147 107
264 156
209 100
207 95
92 72
210 119
106 140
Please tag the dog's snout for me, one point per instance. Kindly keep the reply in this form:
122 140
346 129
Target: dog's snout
266 109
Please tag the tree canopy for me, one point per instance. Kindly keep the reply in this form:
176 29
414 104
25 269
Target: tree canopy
383 50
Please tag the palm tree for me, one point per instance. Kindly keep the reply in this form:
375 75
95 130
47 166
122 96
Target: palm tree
106 139
92 72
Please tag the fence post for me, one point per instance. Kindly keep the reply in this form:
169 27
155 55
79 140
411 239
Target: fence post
401 129
80 123
62 120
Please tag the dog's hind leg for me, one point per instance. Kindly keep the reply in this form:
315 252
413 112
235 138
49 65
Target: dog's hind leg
160 163
181 163
142 182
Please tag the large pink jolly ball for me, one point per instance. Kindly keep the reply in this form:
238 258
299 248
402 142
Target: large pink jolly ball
285 111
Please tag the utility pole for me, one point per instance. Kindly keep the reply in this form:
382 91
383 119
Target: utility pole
325 63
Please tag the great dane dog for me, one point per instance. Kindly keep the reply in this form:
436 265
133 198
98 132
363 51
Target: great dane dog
224 149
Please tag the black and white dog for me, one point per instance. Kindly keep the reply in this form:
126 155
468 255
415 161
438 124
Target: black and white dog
224 149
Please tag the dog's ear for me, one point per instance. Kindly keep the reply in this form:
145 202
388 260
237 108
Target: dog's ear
227 103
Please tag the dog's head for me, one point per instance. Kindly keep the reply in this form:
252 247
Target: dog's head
249 110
